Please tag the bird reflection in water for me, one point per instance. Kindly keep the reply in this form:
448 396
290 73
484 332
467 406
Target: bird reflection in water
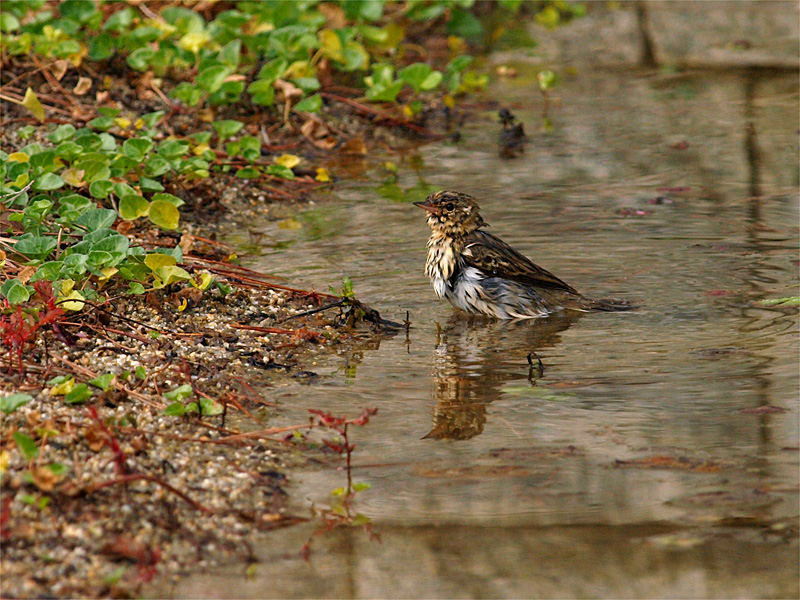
475 357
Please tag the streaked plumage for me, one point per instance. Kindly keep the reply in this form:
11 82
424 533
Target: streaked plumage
481 274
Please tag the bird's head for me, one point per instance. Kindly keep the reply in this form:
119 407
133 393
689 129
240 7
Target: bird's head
452 213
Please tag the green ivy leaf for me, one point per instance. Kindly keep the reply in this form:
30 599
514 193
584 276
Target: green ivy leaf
227 128
101 188
176 409
137 148
35 246
209 407
17 293
104 382
262 92
101 123
62 133
48 182
211 79
311 104
97 218
140 58
8 404
248 173
280 171
26 446
79 393
133 206
179 393
385 93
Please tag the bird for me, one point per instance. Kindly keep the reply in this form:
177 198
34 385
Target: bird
481 274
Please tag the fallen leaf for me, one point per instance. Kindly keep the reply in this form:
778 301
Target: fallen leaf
44 478
31 102
355 145
95 437
334 14
59 68
290 224
84 85
323 175
26 273
318 133
188 298
288 90
289 161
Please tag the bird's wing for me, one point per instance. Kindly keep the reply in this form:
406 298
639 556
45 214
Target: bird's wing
494 257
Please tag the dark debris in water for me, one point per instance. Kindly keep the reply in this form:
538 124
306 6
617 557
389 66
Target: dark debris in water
665 461
767 409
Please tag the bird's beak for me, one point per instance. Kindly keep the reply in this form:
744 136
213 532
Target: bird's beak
431 208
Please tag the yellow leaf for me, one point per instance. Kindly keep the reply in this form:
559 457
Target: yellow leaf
330 44
290 224
77 58
107 82
457 45
254 27
67 285
72 301
449 101
31 102
156 260
63 388
107 272
19 157
300 68
138 123
408 111
194 41
323 175
183 305
4 456
290 161
21 181
199 149
203 281
160 24
122 123
73 177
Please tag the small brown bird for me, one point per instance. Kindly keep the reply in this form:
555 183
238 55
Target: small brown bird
481 274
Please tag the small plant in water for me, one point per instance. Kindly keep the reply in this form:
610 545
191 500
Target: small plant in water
340 513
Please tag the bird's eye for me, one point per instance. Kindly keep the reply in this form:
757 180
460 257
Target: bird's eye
449 206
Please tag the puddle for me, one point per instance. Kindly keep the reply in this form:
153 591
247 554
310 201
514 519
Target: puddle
637 463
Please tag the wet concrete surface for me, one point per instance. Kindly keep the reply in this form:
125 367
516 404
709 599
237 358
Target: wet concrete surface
657 453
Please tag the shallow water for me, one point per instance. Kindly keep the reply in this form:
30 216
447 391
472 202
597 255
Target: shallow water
657 453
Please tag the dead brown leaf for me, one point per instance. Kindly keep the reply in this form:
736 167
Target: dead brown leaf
26 273
59 68
192 295
95 437
354 145
186 243
318 133
124 227
84 85
334 14
287 90
44 478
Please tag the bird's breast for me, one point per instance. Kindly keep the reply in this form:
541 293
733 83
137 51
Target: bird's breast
441 264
